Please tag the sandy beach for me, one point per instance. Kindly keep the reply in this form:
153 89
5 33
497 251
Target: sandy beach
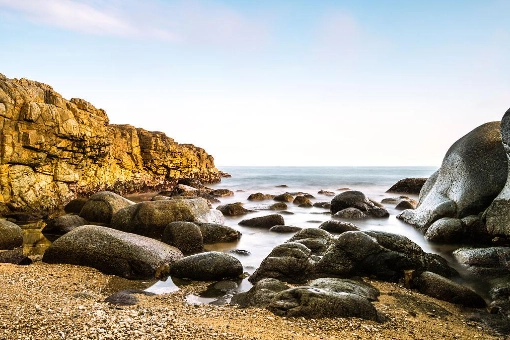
43 301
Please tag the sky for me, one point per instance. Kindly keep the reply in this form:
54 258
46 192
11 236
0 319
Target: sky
271 82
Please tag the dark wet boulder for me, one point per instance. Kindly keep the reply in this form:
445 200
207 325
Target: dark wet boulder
233 209
289 262
317 240
14 256
326 193
302 200
337 285
445 230
357 200
278 206
75 206
267 221
260 295
101 206
11 235
406 204
315 303
323 205
260 197
338 227
408 186
63 224
150 218
472 174
441 288
484 262
185 236
286 197
284 229
218 233
209 266
497 216
379 254
351 214
221 193
112 252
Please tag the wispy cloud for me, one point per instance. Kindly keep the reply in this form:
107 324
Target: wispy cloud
180 21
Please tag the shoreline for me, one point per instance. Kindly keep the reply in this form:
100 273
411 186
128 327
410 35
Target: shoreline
67 302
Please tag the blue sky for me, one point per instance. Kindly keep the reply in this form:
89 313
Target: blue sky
275 82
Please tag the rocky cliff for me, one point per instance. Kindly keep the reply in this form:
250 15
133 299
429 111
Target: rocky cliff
53 149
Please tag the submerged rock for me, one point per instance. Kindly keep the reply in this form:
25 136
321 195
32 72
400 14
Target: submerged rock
260 197
267 221
338 227
233 209
408 186
347 201
216 233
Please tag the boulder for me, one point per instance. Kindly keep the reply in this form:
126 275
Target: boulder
278 206
357 200
112 252
473 173
185 236
445 230
150 218
302 201
74 206
260 295
11 235
14 256
286 197
284 229
315 303
101 206
260 197
406 204
217 233
336 285
289 262
209 266
267 221
221 193
408 186
326 193
338 227
441 288
323 205
351 214
379 254
497 216
63 224
484 263
233 209
317 240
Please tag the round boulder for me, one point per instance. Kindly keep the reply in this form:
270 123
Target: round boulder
353 199
63 224
217 233
101 206
233 209
445 230
260 197
75 206
338 227
150 218
286 197
314 303
302 200
11 235
112 252
185 236
210 266
351 214
260 295
264 221
408 186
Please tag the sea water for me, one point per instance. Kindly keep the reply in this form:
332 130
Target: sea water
258 242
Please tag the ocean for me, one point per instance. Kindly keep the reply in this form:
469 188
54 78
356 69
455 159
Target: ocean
373 181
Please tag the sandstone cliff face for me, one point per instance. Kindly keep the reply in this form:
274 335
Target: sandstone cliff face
52 150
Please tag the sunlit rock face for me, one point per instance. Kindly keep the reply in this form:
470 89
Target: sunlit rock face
473 173
497 216
52 150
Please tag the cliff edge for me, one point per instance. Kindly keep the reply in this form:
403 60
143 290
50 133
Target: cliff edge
53 150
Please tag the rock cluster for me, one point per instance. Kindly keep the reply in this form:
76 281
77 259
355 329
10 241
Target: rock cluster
54 149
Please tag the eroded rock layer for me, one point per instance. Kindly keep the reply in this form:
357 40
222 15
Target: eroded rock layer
53 149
